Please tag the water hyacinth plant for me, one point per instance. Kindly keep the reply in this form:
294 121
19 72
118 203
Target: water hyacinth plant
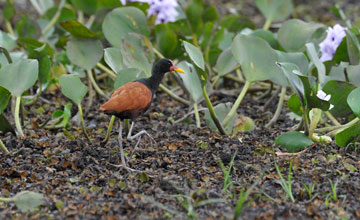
242 78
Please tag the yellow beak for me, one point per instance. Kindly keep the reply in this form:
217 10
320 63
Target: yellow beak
179 70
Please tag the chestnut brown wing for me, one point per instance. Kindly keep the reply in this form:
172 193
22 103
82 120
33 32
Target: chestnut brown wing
132 97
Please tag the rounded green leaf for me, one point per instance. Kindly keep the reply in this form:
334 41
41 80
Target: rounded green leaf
19 76
294 34
73 88
166 39
88 6
339 92
226 62
122 21
354 101
191 80
84 52
256 57
275 10
114 59
7 41
27 200
293 141
349 135
195 55
294 105
127 75
353 72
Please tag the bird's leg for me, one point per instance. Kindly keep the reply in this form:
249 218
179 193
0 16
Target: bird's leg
120 141
139 134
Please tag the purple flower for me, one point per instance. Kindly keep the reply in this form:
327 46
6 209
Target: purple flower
333 39
164 10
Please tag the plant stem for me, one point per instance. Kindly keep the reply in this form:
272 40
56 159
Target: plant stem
83 123
197 117
17 119
157 52
306 121
112 120
2 199
36 97
267 24
9 28
107 70
212 112
278 109
126 126
174 96
2 146
236 104
332 118
6 53
93 82
53 20
81 17
354 121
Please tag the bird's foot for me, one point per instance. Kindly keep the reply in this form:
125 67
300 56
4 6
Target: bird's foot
124 166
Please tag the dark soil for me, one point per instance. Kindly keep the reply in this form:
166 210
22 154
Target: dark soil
80 179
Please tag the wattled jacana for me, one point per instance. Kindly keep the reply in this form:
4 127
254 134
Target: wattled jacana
134 98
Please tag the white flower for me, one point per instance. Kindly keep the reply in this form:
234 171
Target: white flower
323 96
333 39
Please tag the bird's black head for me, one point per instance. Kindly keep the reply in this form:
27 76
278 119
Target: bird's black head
163 66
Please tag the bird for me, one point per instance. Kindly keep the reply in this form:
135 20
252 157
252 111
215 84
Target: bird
133 99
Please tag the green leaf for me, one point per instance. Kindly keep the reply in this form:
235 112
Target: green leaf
294 105
26 27
114 59
353 47
294 34
166 39
354 101
268 36
221 111
339 92
134 55
4 99
7 41
28 201
293 141
193 13
310 49
65 14
84 52
122 21
275 10
349 135
88 6
195 55
353 73
66 116
77 29
225 62
256 57
19 76
191 81
5 126
73 88
9 10
127 75
299 59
